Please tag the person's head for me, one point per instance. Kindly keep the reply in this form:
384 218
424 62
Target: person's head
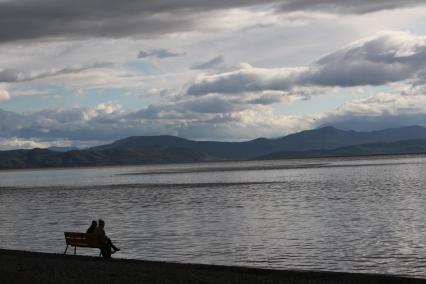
101 223
94 224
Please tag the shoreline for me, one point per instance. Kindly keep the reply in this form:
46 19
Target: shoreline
37 267
292 158
351 157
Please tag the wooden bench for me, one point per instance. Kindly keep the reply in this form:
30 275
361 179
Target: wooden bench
82 240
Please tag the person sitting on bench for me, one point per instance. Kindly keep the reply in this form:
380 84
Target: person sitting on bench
100 232
92 227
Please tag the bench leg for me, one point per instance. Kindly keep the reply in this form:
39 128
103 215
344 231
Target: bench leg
65 252
100 253
75 250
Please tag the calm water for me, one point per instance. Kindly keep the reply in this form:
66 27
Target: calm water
358 215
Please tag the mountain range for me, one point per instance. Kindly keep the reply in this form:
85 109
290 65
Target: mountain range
321 142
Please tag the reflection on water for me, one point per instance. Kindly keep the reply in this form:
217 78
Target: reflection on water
326 214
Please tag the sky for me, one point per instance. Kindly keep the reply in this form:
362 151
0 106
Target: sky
83 73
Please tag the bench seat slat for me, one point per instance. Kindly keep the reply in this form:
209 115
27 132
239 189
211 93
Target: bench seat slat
75 235
82 240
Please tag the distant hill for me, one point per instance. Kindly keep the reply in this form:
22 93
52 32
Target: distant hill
394 148
322 138
62 149
219 150
170 149
331 138
43 158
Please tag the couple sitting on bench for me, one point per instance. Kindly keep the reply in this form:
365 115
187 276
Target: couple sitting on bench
108 247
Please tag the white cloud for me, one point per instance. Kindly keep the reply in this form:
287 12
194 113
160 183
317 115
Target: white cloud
100 78
4 93
11 76
249 79
233 103
193 119
346 6
18 143
386 58
237 104
12 143
382 110
107 122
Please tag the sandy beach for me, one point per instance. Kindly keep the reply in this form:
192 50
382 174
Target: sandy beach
34 267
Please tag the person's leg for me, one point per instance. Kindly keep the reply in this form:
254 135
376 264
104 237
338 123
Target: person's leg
110 244
114 247
106 252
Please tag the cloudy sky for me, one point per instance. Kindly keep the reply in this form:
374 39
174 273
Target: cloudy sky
89 72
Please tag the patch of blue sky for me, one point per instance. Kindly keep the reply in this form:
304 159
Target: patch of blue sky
137 99
36 97
117 96
143 66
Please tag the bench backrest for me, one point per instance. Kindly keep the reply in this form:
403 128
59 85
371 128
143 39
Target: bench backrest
82 240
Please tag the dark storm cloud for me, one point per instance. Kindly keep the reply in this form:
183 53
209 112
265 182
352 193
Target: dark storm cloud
32 19
159 53
9 76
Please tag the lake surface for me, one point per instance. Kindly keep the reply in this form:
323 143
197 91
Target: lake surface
347 214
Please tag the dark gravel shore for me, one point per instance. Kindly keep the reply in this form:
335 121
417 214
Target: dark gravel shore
32 267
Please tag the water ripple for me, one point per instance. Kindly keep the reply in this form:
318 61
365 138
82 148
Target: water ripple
353 215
